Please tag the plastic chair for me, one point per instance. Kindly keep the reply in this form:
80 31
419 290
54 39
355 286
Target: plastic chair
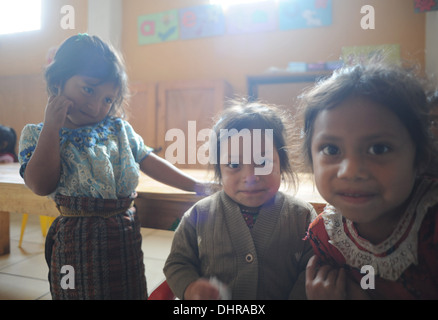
45 223
162 292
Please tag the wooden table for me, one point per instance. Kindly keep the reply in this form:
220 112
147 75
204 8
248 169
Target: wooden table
159 206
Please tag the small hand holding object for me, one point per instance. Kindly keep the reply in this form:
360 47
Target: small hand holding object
324 282
201 289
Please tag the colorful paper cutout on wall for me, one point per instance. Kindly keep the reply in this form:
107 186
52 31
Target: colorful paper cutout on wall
201 21
425 5
251 17
211 20
388 53
158 27
299 14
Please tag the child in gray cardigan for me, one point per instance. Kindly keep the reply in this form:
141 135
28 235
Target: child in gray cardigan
248 236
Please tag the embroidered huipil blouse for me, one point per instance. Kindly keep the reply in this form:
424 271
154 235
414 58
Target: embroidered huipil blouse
97 161
405 265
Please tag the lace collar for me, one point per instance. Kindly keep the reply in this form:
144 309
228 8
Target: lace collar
395 254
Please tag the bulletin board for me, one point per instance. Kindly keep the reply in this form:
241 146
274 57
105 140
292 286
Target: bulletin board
425 5
201 21
158 27
212 20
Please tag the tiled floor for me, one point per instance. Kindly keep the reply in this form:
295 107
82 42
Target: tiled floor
23 272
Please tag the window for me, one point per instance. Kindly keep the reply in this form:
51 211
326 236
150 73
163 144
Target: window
19 16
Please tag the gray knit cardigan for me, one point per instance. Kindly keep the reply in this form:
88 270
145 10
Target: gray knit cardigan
267 262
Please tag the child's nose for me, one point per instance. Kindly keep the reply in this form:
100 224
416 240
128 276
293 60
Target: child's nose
93 106
352 168
250 176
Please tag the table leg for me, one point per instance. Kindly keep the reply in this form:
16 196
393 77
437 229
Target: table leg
4 233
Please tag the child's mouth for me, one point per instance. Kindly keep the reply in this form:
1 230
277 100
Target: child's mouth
356 197
252 191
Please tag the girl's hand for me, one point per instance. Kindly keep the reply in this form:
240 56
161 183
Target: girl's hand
44 168
201 289
56 111
325 282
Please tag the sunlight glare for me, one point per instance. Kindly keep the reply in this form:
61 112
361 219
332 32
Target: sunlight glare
227 3
19 16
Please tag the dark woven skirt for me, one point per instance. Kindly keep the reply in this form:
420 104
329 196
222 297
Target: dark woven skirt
96 257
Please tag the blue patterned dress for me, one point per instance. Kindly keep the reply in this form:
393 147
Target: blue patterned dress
98 232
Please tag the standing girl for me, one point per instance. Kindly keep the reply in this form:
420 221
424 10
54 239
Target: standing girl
87 158
366 138
249 236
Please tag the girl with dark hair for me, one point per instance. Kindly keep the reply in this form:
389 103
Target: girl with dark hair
366 138
87 159
249 236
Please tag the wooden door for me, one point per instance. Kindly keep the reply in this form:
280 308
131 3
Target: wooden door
141 112
188 107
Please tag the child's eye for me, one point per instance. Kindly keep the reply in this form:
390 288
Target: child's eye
378 149
330 150
264 163
88 90
109 101
233 165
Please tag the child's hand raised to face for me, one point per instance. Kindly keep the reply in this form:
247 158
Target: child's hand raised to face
56 111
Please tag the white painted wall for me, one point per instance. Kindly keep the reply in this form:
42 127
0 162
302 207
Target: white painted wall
105 20
432 44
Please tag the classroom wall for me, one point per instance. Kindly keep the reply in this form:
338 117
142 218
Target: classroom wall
25 53
230 57
233 57
227 57
23 57
105 20
432 44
